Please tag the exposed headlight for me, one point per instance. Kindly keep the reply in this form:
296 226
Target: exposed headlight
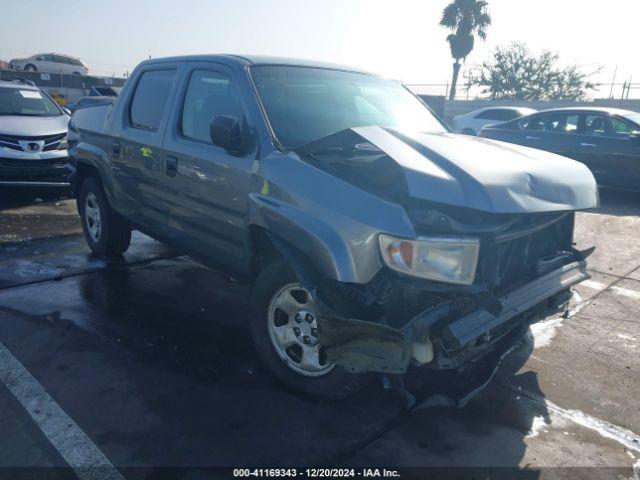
444 259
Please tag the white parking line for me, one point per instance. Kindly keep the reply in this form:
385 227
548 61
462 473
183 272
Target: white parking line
625 292
82 455
630 440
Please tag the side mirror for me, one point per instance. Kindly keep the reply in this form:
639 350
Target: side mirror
225 133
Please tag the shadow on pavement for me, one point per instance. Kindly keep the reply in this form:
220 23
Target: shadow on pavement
16 197
485 439
620 203
155 364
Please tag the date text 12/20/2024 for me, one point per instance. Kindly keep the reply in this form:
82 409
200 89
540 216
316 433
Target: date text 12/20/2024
315 473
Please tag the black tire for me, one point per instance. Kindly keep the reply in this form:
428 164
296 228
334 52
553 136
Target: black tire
114 233
30 68
468 131
333 385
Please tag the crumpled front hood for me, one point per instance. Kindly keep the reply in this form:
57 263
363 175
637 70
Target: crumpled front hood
483 174
27 126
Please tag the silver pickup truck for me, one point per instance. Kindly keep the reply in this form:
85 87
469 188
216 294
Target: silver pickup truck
374 239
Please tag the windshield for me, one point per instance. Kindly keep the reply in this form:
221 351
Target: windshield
15 101
635 118
306 104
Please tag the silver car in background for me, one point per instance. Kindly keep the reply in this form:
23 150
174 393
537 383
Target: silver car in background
472 122
50 63
33 137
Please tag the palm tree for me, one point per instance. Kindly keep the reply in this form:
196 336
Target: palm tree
467 18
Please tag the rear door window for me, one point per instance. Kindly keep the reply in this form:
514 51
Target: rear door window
595 125
554 123
151 98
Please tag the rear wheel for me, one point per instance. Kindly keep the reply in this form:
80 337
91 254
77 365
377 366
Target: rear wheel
284 329
106 232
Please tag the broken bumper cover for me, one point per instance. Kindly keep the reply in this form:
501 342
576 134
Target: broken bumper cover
361 346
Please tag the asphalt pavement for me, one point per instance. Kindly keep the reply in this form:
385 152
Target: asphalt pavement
118 369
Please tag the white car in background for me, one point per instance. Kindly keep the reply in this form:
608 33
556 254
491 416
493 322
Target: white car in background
471 123
50 63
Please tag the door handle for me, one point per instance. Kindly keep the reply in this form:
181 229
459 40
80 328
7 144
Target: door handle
588 144
171 168
533 138
115 148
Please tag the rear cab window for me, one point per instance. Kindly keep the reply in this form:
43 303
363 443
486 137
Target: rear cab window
150 99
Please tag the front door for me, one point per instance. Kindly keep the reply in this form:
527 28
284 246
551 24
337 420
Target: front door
207 187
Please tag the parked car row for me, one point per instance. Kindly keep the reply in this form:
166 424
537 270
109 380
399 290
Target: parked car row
607 140
472 122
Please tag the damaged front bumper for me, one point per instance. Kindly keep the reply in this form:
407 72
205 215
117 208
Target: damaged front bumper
362 346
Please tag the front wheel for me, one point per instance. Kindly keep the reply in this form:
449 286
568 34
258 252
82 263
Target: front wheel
284 329
106 232
30 68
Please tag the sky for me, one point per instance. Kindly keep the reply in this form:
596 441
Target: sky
397 38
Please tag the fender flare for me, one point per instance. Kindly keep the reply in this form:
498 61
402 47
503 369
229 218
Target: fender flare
89 155
314 238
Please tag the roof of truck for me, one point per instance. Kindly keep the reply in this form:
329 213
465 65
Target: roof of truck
254 60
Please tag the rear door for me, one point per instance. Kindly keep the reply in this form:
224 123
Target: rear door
48 64
136 153
609 149
207 187
553 132
62 65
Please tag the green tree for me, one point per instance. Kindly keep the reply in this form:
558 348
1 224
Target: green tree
467 19
514 73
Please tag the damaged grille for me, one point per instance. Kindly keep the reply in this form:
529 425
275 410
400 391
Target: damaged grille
515 258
